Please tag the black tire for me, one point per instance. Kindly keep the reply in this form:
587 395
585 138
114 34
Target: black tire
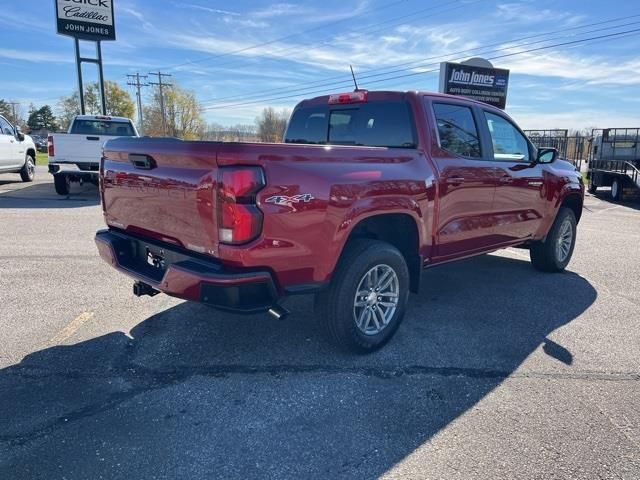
62 184
592 189
616 190
546 256
28 171
338 303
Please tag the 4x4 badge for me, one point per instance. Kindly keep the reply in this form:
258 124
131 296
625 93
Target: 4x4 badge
286 200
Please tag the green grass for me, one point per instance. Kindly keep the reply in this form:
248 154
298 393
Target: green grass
42 158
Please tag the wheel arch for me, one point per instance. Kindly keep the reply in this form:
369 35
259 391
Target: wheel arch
398 229
574 202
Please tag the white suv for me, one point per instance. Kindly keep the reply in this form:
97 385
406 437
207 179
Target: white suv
17 151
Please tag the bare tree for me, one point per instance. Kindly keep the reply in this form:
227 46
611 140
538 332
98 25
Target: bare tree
271 124
183 114
234 133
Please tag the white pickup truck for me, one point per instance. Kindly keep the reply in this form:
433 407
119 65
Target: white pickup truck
17 151
75 156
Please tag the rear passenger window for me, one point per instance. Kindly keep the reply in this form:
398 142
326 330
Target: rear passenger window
457 130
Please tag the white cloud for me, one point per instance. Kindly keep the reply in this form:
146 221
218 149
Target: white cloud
35 56
588 70
22 21
573 119
304 14
207 9
527 13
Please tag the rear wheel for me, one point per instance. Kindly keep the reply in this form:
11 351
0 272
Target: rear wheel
554 254
62 184
616 189
366 300
593 188
28 171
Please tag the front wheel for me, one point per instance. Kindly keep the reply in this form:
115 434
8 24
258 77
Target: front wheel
366 300
28 171
554 253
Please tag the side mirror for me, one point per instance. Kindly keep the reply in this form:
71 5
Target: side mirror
547 155
19 134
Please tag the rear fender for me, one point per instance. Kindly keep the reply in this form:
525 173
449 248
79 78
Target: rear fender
373 207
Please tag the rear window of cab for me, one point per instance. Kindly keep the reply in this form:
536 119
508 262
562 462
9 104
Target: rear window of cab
103 127
375 124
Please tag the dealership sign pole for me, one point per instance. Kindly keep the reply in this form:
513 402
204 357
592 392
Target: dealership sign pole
89 20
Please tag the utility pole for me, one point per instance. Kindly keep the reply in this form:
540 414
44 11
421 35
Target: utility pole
160 85
13 108
135 82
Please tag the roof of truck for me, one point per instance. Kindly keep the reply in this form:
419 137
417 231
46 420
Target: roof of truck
108 118
395 93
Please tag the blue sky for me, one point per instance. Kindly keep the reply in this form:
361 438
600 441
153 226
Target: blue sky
243 55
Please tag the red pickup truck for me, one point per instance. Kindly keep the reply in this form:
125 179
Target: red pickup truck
367 189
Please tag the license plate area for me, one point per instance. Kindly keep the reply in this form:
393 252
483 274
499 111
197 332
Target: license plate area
155 258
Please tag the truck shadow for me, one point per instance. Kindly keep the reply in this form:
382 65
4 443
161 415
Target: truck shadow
195 393
43 196
630 202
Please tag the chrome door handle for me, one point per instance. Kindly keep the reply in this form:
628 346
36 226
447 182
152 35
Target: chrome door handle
505 179
455 180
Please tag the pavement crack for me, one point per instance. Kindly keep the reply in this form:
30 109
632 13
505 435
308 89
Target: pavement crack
135 372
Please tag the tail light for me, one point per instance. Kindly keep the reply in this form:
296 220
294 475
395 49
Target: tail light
50 150
239 218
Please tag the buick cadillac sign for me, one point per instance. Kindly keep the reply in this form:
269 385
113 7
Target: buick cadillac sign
86 19
488 85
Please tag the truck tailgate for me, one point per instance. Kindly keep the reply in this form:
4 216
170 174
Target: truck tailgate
162 188
77 149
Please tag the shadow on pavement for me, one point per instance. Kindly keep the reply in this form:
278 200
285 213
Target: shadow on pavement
195 393
630 202
43 195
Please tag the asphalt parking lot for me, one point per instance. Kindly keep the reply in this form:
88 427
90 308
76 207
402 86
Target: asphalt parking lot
497 372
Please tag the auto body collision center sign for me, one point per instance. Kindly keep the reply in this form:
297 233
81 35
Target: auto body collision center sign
488 85
86 19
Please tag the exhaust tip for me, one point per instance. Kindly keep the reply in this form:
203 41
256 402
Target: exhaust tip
278 312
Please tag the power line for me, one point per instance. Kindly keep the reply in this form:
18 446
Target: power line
135 82
574 42
413 16
161 85
365 73
279 39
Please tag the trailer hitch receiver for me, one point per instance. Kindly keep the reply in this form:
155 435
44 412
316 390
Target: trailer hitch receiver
140 289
